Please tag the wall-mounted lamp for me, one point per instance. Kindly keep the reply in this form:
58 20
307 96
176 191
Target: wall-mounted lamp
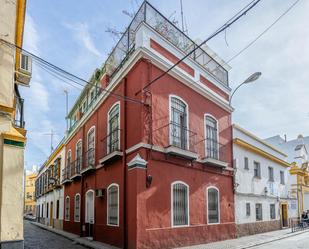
148 180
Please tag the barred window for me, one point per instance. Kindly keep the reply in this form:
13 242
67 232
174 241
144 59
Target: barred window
67 209
270 174
246 162
180 204
212 146
282 177
113 128
272 211
90 147
257 170
113 205
248 209
258 212
77 208
213 205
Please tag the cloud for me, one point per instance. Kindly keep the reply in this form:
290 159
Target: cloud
81 33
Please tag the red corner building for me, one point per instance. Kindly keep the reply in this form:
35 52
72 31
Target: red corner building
149 156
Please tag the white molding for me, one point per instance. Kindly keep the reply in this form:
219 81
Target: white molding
107 202
109 156
180 152
137 160
219 202
188 208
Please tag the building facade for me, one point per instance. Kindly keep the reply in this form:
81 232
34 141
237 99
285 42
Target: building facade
157 163
15 70
296 149
30 206
49 191
263 198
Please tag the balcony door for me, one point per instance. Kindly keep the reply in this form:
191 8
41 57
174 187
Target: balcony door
113 128
178 125
78 156
89 213
90 147
212 146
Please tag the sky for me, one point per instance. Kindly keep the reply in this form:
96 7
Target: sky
72 35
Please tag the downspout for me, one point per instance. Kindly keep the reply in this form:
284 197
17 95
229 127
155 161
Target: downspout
125 234
82 213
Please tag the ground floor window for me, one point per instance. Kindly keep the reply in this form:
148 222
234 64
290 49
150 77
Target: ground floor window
113 205
258 212
213 205
272 211
57 209
248 209
67 208
47 209
180 204
77 208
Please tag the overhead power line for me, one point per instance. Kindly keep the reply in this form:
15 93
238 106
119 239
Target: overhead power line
230 22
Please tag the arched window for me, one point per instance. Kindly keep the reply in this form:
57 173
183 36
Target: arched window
67 209
77 208
113 205
213 205
113 141
180 204
79 151
178 123
212 145
91 147
89 211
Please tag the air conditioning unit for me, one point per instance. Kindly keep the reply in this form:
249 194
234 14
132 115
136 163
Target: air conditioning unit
23 74
100 192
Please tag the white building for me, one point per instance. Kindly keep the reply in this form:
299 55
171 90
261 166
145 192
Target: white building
49 191
262 198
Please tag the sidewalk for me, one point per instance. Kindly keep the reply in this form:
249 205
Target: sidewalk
79 240
248 241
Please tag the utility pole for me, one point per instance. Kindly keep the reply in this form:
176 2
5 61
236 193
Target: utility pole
51 134
66 108
181 11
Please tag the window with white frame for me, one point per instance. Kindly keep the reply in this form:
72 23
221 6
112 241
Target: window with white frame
178 123
246 163
258 212
91 147
113 141
270 174
113 205
89 212
79 146
272 211
213 205
248 209
212 146
67 209
180 204
282 180
77 208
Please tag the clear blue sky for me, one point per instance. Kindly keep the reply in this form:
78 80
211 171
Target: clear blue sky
71 34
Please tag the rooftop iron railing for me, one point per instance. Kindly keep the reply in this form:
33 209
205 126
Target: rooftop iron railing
152 17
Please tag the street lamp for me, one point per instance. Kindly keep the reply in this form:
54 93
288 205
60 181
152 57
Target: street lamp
251 78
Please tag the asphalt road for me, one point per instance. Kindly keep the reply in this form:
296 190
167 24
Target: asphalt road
37 238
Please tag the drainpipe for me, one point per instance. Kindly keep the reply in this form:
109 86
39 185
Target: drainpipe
82 213
125 234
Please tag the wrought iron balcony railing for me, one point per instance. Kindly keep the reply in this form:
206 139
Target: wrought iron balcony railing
216 153
181 137
66 173
89 160
19 113
111 147
76 167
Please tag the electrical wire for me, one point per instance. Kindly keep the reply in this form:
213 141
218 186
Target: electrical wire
230 22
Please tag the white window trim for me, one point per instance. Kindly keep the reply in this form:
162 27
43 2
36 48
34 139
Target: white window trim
86 196
69 153
75 220
107 222
108 128
172 210
205 134
79 141
170 117
65 208
91 128
219 214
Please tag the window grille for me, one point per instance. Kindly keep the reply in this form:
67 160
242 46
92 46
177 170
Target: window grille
67 208
212 146
257 170
246 162
213 205
258 212
180 205
271 174
282 180
272 211
113 124
248 209
113 205
90 146
77 208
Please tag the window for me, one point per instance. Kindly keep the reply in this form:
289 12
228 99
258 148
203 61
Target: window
77 208
42 210
246 163
67 209
47 209
272 211
248 209
90 146
212 146
179 123
258 212
69 160
213 205
271 174
282 180
180 204
113 205
257 170
79 145
113 129
89 217
57 209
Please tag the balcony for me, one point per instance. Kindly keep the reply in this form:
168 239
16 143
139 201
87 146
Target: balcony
154 19
76 167
19 113
181 141
111 147
66 174
89 161
216 154
23 74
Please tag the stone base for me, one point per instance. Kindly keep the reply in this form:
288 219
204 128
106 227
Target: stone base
13 244
257 227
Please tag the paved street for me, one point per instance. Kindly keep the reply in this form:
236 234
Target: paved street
37 238
300 241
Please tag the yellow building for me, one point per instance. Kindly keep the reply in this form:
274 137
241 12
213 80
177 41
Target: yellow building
30 204
15 70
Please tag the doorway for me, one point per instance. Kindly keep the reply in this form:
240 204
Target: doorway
284 215
89 213
51 214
